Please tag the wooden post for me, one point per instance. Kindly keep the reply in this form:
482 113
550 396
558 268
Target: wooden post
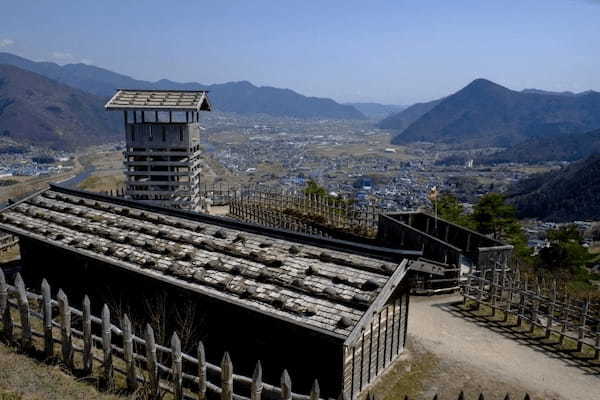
581 330
5 308
565 317
286 386
107 346
3 293
550 317
177 366
467 288
88 359
65 328
128 353
536 306
47 319
226 378
597 355
202 379
24 313
257 383
315 392
509 299
152 362
493 290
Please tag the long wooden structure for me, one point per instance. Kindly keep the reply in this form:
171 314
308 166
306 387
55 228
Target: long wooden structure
347 301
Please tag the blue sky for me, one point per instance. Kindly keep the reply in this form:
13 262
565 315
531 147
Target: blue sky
392 51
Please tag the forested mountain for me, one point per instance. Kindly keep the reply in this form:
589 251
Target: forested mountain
570 147
486 114
239 97
572 193
37 110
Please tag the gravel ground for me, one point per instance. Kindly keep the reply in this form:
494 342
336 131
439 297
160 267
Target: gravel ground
435 324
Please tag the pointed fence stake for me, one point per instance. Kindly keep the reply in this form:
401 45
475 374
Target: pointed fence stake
286 386
47 319
315 392
65 328
24 312
152 362
88 359
226 378
177 366
129 355
257 383
107 347
202 379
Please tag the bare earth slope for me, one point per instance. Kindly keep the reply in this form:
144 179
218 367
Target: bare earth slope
449 336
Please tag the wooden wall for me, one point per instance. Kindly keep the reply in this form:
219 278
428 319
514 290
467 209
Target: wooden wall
380 344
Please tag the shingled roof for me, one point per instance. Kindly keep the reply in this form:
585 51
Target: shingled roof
159 100
320 288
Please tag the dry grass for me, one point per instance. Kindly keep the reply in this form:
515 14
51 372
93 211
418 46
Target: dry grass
103 183
10 254
24 378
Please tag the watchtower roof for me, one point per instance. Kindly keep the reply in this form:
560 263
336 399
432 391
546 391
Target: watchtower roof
159 100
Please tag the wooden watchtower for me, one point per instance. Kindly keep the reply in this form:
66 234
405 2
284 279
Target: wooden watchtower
162 136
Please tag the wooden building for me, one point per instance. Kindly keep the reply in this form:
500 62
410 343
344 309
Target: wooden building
162 136
334 308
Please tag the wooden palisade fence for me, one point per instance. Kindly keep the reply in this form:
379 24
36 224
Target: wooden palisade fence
301 212
543 305
294 211
137 367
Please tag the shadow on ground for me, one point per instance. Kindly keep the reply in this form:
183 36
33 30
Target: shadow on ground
551 348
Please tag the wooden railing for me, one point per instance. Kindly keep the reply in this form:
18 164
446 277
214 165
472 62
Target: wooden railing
139 367
538 303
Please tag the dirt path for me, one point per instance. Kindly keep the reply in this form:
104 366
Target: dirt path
436 325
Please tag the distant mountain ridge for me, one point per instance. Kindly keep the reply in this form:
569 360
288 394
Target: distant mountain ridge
238 97
377 111
40 111
486 114
570 194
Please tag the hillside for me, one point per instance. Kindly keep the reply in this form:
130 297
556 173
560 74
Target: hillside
239 97
486 114
402 120
377 111
572 193
571 147
35 109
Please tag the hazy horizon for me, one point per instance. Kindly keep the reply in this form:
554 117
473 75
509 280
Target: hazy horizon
388 52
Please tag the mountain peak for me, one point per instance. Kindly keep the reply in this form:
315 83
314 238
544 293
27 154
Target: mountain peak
483 84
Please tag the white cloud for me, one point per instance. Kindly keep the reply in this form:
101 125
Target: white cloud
5 43
86 61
